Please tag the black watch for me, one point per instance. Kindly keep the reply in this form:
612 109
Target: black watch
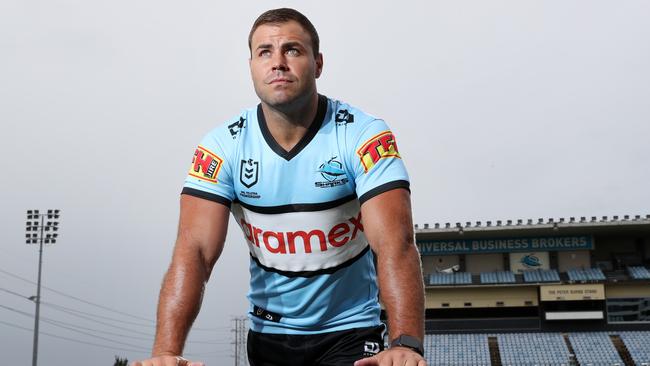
408 342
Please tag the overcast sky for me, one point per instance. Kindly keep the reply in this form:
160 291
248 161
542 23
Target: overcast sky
502 110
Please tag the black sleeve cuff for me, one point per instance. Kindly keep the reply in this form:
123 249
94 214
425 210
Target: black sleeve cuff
384 188
206 195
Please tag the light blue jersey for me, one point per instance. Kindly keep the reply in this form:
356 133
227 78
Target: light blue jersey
312 269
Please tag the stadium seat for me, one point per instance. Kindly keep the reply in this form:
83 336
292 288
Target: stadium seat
586 274
533 349
498 277
456 278
639 273
541 275
457 349
594 348
637 344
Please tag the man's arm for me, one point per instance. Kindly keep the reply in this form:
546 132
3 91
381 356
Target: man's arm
388 226
201 234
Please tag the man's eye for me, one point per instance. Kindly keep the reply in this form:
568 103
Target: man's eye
265 53
293 52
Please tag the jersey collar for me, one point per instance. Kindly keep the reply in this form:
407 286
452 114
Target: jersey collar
304 141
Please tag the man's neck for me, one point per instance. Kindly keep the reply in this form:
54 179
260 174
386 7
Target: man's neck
289 124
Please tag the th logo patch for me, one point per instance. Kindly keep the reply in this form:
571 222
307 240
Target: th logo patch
205 165
378 147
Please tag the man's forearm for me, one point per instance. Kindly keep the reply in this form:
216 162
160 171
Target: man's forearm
402 290
389 229
180 301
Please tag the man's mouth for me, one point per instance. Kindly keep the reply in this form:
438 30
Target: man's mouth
280 81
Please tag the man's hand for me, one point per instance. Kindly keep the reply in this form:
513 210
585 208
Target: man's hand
167 361
395 356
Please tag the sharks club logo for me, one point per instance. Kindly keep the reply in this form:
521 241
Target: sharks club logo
531 261
333 173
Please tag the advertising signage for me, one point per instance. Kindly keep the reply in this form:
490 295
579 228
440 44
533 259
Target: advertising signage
505 245
572 292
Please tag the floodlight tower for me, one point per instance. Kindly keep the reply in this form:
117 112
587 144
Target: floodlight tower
36 228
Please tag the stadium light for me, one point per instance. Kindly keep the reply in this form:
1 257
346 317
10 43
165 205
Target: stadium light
35 234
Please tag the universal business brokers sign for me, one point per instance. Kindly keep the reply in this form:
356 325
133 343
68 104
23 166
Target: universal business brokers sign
505 245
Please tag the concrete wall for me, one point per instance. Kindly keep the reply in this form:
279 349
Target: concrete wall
573 259
480 296
477 263
431 264
608 248
620 291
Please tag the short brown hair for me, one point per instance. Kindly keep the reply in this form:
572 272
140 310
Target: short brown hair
283 15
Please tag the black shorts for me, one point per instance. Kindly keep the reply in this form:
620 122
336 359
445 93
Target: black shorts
340 348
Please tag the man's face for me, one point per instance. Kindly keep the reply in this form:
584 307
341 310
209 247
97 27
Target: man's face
283 66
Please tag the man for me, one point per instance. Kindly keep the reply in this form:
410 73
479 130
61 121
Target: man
321 194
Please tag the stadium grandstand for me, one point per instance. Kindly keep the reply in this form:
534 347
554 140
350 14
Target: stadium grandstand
537 292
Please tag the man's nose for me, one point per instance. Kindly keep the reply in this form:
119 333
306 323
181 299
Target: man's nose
279 62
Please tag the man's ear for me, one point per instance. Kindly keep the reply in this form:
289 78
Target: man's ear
319 65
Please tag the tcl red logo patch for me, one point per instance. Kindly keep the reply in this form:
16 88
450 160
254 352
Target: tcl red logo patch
205 165
290 242
376 148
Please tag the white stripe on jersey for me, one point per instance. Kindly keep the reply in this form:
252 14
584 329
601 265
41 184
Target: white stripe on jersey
303 241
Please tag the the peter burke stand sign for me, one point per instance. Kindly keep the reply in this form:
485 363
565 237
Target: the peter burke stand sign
505 245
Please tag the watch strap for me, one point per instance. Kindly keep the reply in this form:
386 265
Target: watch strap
408 341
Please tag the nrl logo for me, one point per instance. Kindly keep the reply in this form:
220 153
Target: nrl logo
249 172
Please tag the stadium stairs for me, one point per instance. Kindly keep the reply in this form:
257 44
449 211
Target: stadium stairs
572 352
495 356
622 350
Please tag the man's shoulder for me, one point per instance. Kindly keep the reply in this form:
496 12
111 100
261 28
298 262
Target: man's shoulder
232 128
354 123
345 114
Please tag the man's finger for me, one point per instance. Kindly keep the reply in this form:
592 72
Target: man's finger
185 362
370 361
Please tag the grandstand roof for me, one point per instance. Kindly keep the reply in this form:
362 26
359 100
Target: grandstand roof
572 226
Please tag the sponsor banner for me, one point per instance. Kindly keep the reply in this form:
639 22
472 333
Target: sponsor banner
303 241
505 245
572 292
526 261
205 165
378 147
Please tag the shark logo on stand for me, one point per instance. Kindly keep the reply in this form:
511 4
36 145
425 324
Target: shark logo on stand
530 261
333 173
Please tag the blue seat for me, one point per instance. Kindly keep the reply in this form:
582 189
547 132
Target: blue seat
639 273
594 348
637 344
